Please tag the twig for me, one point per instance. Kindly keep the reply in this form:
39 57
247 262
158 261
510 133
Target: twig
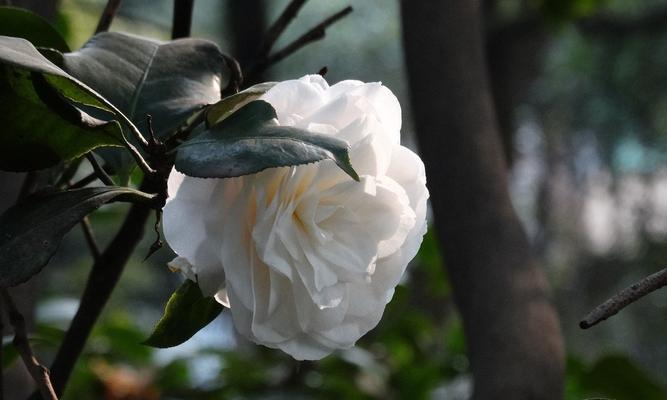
90 238
39 372
99 171
108 15
625 297
102 280
182 19
278 27
185 129
157 244
68 173
316 33
141 162
83 181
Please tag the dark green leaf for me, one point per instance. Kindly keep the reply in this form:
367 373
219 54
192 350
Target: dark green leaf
22 23
187 312
249 141
31 231
168 80
227 106
41 125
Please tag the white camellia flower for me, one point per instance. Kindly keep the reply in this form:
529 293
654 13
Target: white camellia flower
305 257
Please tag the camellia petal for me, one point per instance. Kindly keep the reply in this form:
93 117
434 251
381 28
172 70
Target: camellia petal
305 257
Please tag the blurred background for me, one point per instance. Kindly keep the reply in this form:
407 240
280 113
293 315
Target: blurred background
580 89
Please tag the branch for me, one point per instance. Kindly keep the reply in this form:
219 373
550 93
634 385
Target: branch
90 238
83 181
99 171
182 19
39 372
316 33
278 27
624 298
141 162
108 15
102 280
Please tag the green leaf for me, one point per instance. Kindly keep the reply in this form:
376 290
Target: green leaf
42 124
168 80
227 106
249 141
187 312
22 23
31 231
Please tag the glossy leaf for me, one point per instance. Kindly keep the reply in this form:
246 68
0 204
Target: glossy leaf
31 231
250 141
19 22
168 80
227 106
41 123
186 313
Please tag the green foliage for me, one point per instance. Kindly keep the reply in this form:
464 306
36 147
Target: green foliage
187 312
41 126
565 10
167 80
21 23
33 229
249 141
612 376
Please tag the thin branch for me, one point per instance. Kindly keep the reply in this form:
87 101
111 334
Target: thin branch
625 297
90 238
185 129
182 19
69 172
316 33
83 181
39 372
99 171
141 162
102 280
278 27
108 15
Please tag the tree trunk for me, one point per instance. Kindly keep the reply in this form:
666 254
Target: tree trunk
512 330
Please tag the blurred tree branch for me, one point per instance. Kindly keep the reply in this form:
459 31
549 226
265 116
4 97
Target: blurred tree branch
624 298
108 15
279 26
39 372
318 32
182 18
